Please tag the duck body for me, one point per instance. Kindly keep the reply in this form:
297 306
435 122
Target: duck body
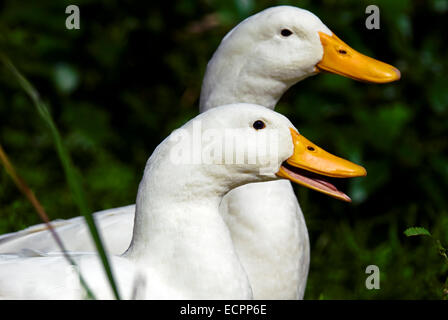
51 277
115 224
277 263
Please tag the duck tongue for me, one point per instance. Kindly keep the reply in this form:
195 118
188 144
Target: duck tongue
315 181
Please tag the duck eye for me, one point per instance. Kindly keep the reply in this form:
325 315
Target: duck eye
342 51
258 125
286 32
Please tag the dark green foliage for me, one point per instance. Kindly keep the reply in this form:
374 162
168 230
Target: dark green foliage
133 72
419 231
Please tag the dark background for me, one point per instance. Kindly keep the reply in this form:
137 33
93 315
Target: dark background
133 73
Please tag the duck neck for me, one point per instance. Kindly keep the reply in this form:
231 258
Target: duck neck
180 234
233 76
245 85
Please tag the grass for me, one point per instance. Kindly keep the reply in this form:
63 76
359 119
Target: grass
443 252
29 194
70 171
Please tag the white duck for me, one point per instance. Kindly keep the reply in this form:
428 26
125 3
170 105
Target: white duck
256 63
181 247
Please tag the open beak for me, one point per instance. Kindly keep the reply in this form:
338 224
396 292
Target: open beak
340 59
310 164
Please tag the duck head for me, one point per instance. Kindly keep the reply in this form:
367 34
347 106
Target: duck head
245 143
270 51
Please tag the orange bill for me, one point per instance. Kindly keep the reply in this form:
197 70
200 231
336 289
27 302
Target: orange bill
310 165
340 59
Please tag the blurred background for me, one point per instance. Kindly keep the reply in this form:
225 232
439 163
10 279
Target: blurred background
132 73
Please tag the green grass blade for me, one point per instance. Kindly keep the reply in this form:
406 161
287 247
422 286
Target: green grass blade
416 231
69 169
29 194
